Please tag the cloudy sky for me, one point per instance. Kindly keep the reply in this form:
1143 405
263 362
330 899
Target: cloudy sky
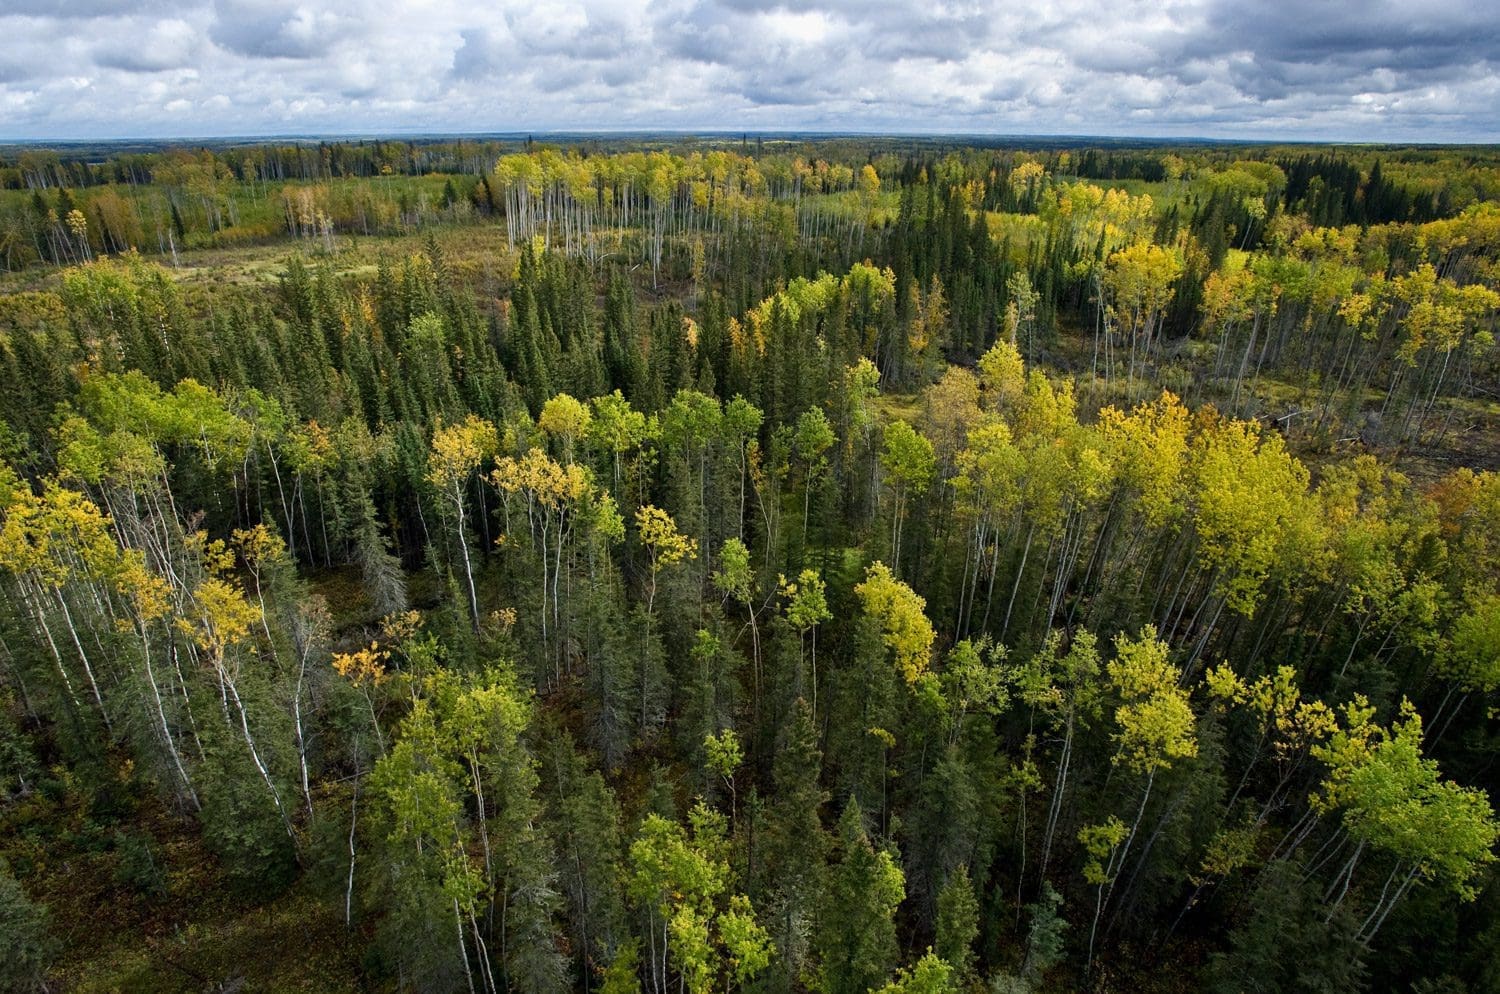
1317 69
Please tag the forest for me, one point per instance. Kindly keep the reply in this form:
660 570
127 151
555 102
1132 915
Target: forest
745 566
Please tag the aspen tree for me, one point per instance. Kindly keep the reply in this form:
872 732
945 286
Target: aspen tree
457 452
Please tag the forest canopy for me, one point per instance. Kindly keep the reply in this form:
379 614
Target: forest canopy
838 567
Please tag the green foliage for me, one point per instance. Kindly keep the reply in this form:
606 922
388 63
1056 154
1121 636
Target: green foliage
140 865
1047 935
957 925
29 947
724 753
930 975
907 458
856 936
622 976
285 543
242 827
735 577
807 603
1392 799
1156 722
1100 842
682 878
1285 943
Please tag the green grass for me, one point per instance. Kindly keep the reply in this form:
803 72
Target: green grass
906 407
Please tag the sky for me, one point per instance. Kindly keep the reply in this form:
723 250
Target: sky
1330 70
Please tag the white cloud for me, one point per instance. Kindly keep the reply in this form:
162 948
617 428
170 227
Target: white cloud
1212 68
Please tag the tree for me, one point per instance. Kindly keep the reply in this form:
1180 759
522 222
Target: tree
1156 726
617 429
723 757
909 464
665 547
794 845
899 612
29 947
856 937
1393 802
218 622
1002 378
1286 944
1138 280
958 925
813 438
457 451
555 497
586 824
806 609
932 974
681 881
433 887
1250 514
735 579
1046 937
987 487
566 420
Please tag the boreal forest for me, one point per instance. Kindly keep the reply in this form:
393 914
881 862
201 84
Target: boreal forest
749 566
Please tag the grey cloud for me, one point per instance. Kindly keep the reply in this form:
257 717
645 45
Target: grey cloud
1006 89
622 72
85 9
273 30
22 63
1338 36
482 53
777 95
139 60
703 33
540 31
155 48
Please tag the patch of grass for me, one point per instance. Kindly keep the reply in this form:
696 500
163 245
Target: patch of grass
906 407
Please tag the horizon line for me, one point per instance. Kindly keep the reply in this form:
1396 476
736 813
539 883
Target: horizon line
720 133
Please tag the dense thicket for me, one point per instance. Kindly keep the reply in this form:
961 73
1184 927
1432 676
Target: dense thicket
762 573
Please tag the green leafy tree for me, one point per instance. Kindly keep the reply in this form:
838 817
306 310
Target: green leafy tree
909 465
812 439
931 974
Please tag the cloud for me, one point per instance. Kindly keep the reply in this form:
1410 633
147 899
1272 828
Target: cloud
1211 68
484 52
170 44
80 9
276 30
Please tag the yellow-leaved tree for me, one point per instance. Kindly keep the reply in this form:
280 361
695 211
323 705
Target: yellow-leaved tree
457 452
900 613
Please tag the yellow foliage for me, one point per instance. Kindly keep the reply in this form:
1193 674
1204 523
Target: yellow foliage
659 534
363 666
223 619
1156 722
457 450
541 479
900 612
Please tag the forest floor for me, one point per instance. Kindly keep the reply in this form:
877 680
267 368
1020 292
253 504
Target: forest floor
470 247
187 930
